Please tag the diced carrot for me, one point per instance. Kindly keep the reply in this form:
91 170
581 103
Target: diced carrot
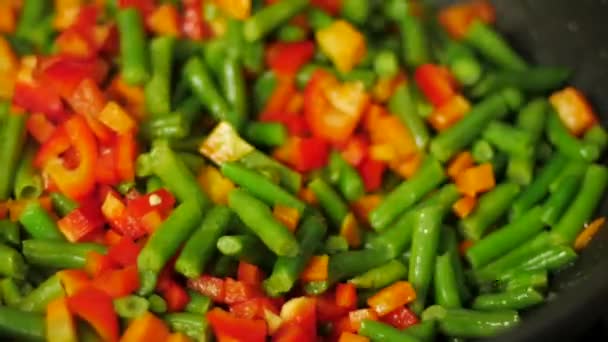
583 239
307 196
392 297
461 162
365 204
574 110
449 113
357 316
146 327
164 20
287 215
476 180
317 269
464 206
350 337
350 231
457 18
346 295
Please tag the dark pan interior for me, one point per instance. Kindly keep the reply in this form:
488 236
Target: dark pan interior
572 33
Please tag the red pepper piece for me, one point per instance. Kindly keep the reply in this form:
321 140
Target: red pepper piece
88 100
81 222
64 74
227 327
193 26
346 296
332 7
371 171
161 200
36 98
238 291
250 274
288 58
125 153
176 296
253 308
118 283
401 318
105 172
98 263
209 286
125 252
293 122
436 82
95 307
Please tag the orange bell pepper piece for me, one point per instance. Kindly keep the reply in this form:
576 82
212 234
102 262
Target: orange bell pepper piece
178 337
215 184
73 281
355 317
365 204
392 297
464 206
238 9
408 167
125 152
144 328
449 113
97 263
343 44
350 231
287 215
461 162
584 237
457 18
475 180
164 21
66 12
118 283
59 322
574 110
317 269
115 117
95 307
40 127
250 274
346 295
350 337
8 18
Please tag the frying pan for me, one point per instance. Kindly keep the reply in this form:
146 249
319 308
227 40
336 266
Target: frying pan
571 33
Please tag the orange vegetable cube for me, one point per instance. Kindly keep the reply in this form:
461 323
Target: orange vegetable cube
573 109
449 113
464 206
476 180
115 117
317 269
59 322
287 215
392 297
350 231
461 162
357 316
146 328
238 9
164 20
215 184
343 44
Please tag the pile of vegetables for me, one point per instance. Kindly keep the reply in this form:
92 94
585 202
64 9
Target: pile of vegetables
285 170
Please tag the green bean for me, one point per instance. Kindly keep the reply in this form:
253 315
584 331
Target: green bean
192 325
414 40
289 179
10 233
335 244
158 89
28 182
247 248
491 45
233 86
266 133
253 57
33 25
157 303
198 303
347 177
573 169
286 270
584 204
467 70
402 104
449 244
133 46
331 202
190 144
386 63
380 276
168 126
482 151
597 135
58 254
365 76
199 248
452 140
446 286
567 144
12 133
194 162
551 258
11 295
558 202
470 323
511 140
397 237
536 280
539 187
261 187
20 325
535 79
424 331
429 176
130 306
41 296
356 11
506 238
176 176
265 85
153 183
319 19
520 169
168 238
224 266
258 217
291 33
349 264
425 241
378 331
269 18
490 208
206 91
12 263
38 223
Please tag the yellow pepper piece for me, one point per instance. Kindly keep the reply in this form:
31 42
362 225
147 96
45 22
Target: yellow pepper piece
343 44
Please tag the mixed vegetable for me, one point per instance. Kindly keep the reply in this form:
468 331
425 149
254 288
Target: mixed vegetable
285 170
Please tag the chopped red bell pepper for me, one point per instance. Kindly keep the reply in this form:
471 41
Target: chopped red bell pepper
95 307
98 263
36 98
124 252
64 74
436 82
333 110
227 327
209 286
287 58
88 100
125 153
250 274
105 172
238 291
355 150
346 295
73 281
40 127
193 26
253 308
372 171
357 316
118 283
161 200
327 310
295 123
302 312
401 318
289 332
281 95
81 222
311 153
175 295
332 7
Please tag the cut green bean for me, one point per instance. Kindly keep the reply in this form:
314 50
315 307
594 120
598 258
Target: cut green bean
429 176
288 178
158 89
331 202
470 323
247 248
349 264
347 177
130 306
12 133
518 299
133 47
558 202
198 303
233 85
380 276
224 266
201 245
335 244
552 258
20 325
356 11
58 254
258 217
535 79
157 304
10 233
266 133
492 46
319 19
489 209
445 283
482 151
192 325
269 18
414 40
11 294
28 182
506 238
511 140
41 296
597 135
378 331
12 263
536 280
402 104
38 223
567 144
